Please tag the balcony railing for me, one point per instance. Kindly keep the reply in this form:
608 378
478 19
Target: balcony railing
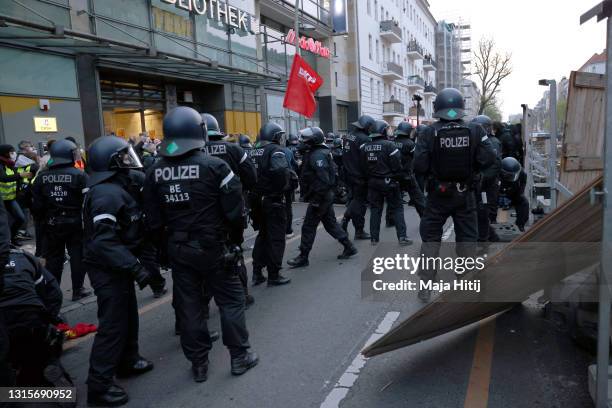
416 80
393 70
390 31
429 63
415 50
430 89
393 108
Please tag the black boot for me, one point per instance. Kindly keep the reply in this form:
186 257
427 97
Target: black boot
276 279
300 261
361 235
200 372
242 363
344 223
349 249
112 397
80 293
258 277
248 301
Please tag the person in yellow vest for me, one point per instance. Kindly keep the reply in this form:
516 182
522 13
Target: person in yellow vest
9 183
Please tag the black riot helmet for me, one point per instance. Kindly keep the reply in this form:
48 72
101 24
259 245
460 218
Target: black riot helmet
212 127
485 122
329 138
107 155
312 136
62 152
271 133
338 142
293 140
364 123
244 142
184 131
511 169
449 105
380 128
404 129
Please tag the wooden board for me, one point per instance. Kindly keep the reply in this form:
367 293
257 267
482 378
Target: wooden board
581 160
576 221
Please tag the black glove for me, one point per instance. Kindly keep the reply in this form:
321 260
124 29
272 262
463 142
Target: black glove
141 276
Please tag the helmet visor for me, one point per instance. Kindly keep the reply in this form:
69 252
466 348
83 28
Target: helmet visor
128 159
509 176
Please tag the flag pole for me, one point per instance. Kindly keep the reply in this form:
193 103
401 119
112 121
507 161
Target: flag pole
296 27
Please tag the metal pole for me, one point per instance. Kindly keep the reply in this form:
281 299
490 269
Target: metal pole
296 26
603 332
553 144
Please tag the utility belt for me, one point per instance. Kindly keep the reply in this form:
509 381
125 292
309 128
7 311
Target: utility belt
64 217
275 198
447 188
200 236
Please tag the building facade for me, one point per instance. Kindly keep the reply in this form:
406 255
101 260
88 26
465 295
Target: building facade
390 58
87 68
471 93
453 48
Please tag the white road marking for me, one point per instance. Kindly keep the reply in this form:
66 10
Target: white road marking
350 376
448 232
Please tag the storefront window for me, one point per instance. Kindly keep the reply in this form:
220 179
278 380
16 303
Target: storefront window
132 108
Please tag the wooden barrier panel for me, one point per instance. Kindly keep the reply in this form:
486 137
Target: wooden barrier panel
576 221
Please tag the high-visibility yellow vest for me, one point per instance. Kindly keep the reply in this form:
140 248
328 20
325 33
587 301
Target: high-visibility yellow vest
25 169
8 190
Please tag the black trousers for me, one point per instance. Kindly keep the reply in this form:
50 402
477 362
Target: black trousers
6 375
521 205
378 193
416 194
486 197
461 206
289 196
29 353
116 342
324 212
58 238
195 267
357 203
269 246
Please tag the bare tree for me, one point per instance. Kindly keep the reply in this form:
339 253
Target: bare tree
491 68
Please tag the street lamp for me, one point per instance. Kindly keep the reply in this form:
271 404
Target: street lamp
417 98
552 158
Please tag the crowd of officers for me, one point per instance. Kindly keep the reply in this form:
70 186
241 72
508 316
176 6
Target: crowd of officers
185 203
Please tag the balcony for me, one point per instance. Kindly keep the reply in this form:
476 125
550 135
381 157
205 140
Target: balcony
416 82
393 108
414 51
392 71
430 90
390 31
429 64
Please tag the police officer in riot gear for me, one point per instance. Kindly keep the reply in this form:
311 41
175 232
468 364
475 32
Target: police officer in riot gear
268 204
197 198
487 192
58 193
319 177
245 143
231 153
5 240
239 163
382 164
512 190
450 153
406 145
356 177
113 232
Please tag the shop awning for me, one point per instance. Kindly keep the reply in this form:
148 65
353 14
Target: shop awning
126 56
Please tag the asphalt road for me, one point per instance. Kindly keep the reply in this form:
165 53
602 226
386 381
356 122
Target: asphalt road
309 334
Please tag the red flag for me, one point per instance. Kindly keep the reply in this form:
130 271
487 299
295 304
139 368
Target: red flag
303 83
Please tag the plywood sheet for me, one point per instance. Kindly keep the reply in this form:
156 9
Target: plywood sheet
576 221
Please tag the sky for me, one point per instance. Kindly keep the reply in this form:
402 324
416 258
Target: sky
544 37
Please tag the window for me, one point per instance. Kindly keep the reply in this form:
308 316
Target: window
379 92
335 49
377 51
369 8
336 78
370 45
375 10
371 90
